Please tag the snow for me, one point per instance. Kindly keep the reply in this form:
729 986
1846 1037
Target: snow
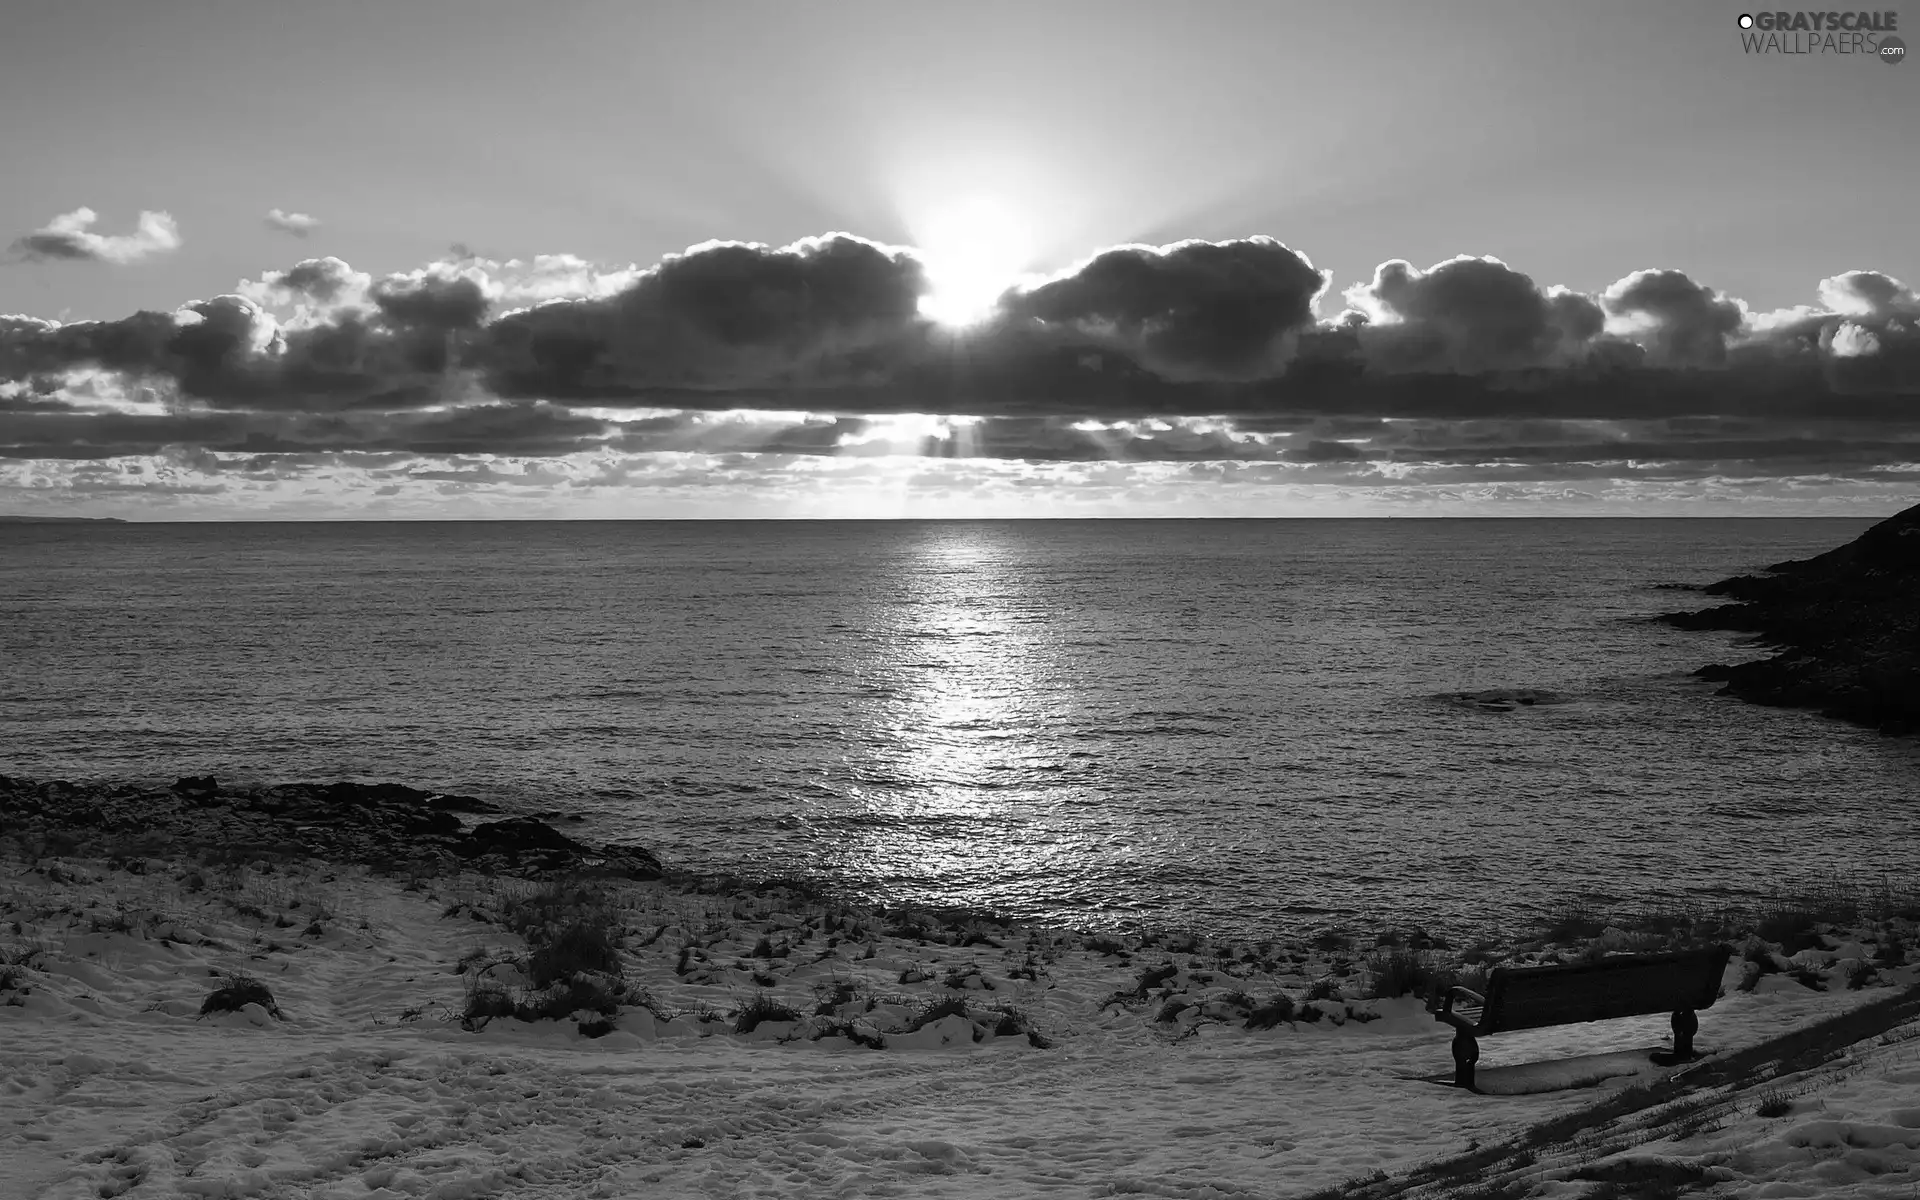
367 1085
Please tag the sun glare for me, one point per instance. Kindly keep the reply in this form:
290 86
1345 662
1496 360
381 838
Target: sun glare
973 250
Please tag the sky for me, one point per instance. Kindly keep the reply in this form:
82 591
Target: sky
472 259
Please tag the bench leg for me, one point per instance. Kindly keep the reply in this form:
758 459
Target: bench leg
1685 1025
1466 1052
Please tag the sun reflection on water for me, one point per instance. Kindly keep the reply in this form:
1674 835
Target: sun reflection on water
973 665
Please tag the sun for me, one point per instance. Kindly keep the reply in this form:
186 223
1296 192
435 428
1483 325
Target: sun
972 250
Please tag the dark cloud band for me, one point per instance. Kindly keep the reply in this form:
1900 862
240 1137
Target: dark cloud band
1218 341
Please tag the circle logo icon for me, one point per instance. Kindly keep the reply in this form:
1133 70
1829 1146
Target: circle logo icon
1746 20
1892 50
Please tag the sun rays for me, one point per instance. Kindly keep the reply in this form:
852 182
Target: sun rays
973 250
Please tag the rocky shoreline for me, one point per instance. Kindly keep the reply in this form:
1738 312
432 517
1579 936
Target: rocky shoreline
1845 627
384 824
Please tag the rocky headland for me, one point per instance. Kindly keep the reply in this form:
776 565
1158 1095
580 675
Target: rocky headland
381 824
1844 625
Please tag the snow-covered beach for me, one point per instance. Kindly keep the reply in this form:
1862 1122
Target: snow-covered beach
1064 1064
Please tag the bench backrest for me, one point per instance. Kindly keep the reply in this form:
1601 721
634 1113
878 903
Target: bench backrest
1625 986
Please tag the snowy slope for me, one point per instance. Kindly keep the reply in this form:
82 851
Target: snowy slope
111 1084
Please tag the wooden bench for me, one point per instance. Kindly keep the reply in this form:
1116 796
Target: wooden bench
1627 985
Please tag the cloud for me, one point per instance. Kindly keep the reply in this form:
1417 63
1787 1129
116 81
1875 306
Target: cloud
1470 315
1868 294
433 298
1852 340
1205 355
310 292
296 223
723 314
68 236
1221 310
1681 323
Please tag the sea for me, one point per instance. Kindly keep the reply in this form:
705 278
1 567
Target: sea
1235 727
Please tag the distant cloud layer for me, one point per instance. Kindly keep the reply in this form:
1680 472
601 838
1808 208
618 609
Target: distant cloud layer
296 223
69 236
1214 359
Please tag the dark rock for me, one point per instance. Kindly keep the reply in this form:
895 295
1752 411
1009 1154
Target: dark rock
1846 625
389 825
517 836
635 862
426 823
374 795
461 804
1503 699
1736 617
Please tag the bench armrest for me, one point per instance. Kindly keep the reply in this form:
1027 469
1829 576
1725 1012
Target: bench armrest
1442 1002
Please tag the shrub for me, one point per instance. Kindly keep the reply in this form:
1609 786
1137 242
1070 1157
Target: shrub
1892 950
485 1000
120 920
1572 922
555 905
1672 927
1006 1021
957 976
909 925
1807 977
1152 978
1272 1013
478 958
577 947
951 1006
1474 978
647 1000
1773 1103
1325 988
582 992
1793 921
235 993
832 995
1397 972
760 1009
1762 963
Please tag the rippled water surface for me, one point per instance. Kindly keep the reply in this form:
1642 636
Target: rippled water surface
1230 725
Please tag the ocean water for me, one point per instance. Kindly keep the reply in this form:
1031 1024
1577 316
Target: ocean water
1230 726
